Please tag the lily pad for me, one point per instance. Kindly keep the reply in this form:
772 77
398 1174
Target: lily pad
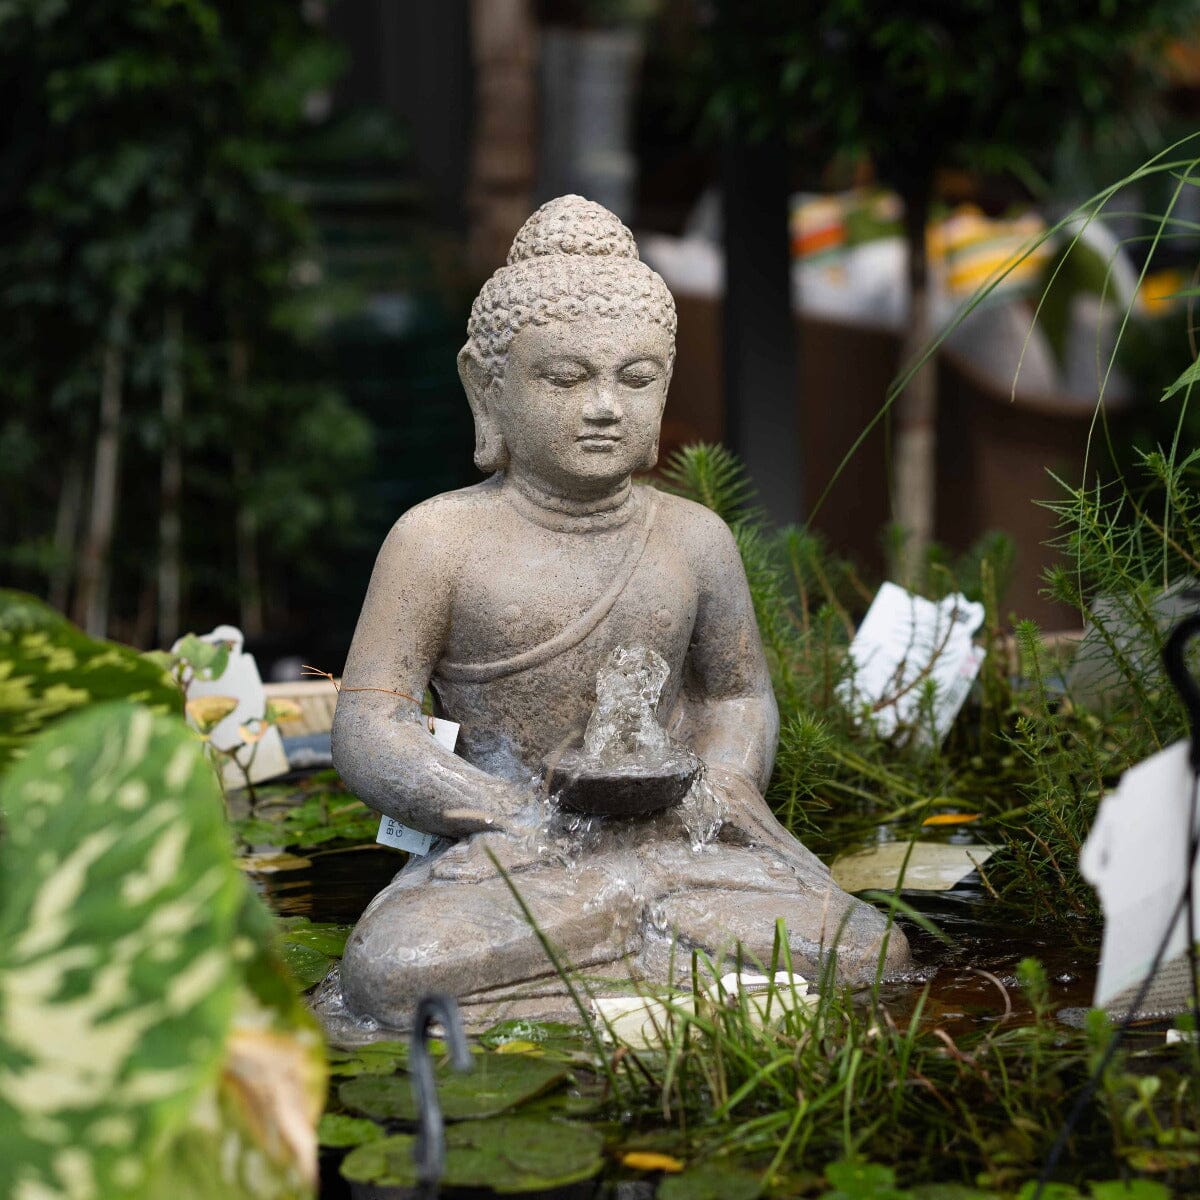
861 1181
269 864
496 1085
949 1191
1130 1189
338 1130
379 1058
327 938
709 1182
310 950
508 1154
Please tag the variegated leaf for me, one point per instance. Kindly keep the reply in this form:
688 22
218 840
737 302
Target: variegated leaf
119 908
49 668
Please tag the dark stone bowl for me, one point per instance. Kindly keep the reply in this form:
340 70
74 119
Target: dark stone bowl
624 789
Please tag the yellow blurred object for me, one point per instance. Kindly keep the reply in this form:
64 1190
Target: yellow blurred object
268 864
208 711
970 248
282 709
651 1160
1159 291
950 819
519 1047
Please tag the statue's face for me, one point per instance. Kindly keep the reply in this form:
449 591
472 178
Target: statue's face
581 401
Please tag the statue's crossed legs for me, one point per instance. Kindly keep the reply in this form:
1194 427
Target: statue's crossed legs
621 913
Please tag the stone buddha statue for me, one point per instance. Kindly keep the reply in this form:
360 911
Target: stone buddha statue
505 600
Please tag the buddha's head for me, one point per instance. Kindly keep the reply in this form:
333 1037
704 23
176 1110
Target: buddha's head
569 352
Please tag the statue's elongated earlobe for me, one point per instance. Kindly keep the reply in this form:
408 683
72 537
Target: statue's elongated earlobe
491 454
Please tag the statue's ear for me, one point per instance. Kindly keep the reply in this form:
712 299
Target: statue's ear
491 454
651 459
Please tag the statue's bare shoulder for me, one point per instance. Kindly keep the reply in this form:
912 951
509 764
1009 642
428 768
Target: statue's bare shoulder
706 540
432 539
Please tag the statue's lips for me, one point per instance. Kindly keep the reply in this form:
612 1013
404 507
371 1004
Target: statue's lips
598 441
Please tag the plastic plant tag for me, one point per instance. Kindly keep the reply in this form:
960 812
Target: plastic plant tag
645 1023
906 649
265 758
1136 859
400 836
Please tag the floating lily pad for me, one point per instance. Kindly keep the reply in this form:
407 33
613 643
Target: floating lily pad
310 950
327 938
496 1085
1163 1158
948 1191
924 867
709 1182
508 1154
1130 1189
861 1181
379 1058
338 1129
269 864
1049 1191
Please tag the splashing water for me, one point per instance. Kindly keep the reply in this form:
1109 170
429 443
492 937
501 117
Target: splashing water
623 725
702 812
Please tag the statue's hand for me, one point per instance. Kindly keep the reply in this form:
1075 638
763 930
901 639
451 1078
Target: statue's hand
496 806
750 821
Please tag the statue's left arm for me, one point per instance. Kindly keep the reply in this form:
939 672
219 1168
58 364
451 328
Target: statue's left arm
727 711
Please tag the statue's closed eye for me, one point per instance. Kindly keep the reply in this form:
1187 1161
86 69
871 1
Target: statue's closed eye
637 379
564 378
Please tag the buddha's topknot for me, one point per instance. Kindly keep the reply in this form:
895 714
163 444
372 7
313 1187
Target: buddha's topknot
572 225
571 260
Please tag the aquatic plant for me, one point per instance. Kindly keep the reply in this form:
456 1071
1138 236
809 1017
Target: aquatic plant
1027 754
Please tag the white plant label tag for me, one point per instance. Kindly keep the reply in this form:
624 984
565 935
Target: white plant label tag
905 645
1136 858
400 836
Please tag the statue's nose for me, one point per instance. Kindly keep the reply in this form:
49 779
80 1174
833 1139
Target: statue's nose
603 404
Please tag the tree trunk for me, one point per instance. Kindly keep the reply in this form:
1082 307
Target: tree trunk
915 423
66 532
761 405
169 519
503 154
91 597
246 523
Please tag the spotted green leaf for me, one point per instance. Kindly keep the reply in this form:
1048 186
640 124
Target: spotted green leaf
509 1155
152 1042
49 668
119 905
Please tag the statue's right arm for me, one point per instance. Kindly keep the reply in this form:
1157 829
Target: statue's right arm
381 745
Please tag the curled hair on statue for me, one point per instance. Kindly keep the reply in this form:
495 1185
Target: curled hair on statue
571 260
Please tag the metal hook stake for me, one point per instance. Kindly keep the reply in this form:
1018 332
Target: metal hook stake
429 1152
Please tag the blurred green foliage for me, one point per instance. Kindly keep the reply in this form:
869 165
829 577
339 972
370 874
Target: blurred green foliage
145 182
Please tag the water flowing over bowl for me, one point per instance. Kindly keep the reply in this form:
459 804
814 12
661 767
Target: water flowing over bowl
616 787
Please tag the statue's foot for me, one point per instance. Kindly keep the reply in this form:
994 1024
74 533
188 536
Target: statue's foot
731 897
